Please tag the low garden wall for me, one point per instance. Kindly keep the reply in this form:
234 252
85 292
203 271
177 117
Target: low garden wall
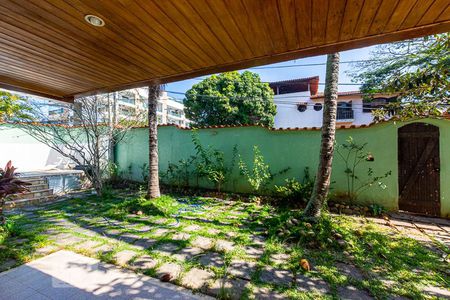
293 150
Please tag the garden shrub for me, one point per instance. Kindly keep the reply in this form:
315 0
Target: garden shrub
294 191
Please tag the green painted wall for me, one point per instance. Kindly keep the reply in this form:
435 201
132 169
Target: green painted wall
293 149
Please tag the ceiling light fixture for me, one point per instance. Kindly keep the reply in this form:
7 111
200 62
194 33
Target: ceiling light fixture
94 20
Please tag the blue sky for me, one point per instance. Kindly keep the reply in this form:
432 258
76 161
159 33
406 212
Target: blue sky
292 73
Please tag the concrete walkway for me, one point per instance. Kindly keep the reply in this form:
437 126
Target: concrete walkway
67 275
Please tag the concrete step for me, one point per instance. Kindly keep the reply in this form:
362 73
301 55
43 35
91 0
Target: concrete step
32 194
38 187
34 180
11 204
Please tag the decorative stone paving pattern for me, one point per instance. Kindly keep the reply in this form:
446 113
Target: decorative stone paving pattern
144 263
188 253
144 243
160 232
253 253
87 246
196 278
123 257
192 228
350 271
203 242
436 292
310 284
166 248
279 258
276 276
172 269
266 294
352 293
212 259
241 268
225 246
181 236
228 288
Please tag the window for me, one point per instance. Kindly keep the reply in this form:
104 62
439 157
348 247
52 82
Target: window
344 111
379 102
301 107
318 106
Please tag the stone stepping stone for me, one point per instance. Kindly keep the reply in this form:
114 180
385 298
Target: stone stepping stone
181 236
258 240
225 246
253 253
46 250
279 258
68 240
144 263
192 228
160 232
352 293
113 232
350 271
436 292
123 257
143 243
159 221
168 271
228 289
310 284
276 276
8 264
87 245
144 228
214 231
212 259
260 293
231 234
166 249
105 248
203 242
188 253
129 237
196 278
242 269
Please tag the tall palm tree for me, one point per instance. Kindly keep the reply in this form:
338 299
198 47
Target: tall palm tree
322 183
154 91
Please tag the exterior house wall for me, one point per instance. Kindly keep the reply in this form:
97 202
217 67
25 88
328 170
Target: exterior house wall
288 116
26 153
295 149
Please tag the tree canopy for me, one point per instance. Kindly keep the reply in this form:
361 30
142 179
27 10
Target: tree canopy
231 98
417 71
12 107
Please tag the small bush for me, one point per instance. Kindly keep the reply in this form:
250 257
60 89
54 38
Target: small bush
294 190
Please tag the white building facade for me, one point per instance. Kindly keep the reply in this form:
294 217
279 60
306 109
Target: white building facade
300 105
125 104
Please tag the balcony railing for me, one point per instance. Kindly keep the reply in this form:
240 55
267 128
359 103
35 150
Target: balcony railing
345 113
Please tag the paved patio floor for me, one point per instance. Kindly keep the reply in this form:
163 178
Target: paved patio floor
67 275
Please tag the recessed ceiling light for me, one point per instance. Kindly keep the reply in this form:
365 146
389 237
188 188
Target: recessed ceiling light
94 20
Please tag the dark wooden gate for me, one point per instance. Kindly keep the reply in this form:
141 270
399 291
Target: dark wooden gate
418 165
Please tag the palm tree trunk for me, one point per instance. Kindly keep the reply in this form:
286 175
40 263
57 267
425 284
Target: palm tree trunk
322 183
154 92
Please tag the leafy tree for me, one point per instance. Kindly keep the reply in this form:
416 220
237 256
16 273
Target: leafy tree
231 99
417 71
12 107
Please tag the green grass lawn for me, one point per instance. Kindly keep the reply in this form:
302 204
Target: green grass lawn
342 251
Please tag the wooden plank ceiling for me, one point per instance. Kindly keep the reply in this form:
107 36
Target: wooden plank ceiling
47 48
